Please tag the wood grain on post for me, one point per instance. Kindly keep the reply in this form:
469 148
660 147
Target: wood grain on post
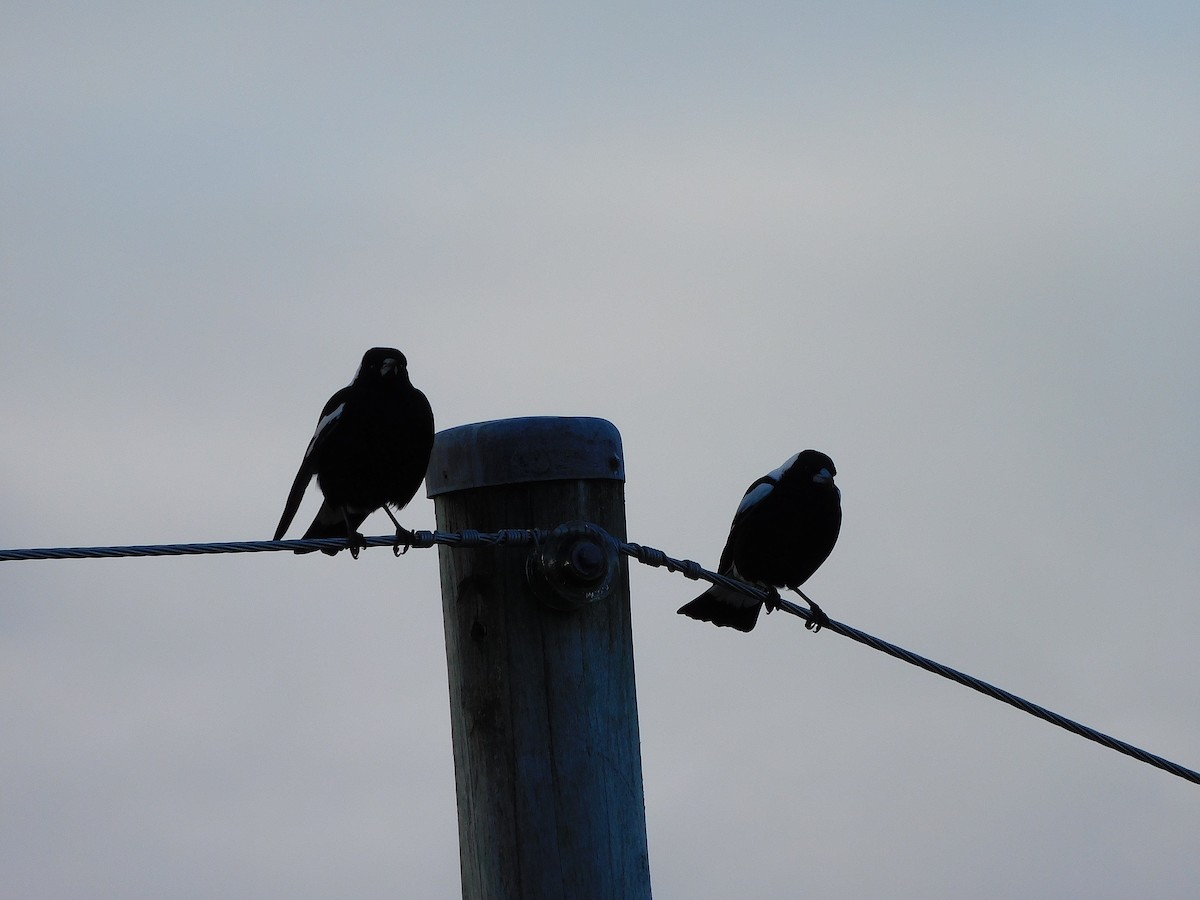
543 706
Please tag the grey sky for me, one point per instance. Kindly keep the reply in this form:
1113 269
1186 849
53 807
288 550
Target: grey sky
953 247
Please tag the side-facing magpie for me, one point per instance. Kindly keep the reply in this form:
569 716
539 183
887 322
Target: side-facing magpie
784 528
370 450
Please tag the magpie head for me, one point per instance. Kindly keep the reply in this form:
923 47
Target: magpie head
382 362
810 466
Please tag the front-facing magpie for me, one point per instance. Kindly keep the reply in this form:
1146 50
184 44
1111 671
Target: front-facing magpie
370 450
784 528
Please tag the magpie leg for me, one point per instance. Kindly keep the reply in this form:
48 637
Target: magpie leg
404 537
354 538
817 618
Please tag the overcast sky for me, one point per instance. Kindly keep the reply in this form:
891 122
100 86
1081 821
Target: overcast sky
953 246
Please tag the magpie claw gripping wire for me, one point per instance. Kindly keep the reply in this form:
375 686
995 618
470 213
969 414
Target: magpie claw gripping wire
404 540
817 618
356 542
772 602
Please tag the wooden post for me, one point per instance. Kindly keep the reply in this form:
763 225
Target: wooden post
543 710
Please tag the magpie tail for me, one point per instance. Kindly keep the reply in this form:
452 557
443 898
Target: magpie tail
724 607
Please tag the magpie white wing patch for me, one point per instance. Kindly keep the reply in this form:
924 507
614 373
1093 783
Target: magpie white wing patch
755 496
766 484
323 427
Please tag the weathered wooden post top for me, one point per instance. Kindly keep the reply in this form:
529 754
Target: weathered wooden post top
543 708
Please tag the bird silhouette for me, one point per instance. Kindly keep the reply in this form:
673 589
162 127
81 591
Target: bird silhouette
784 528
370 451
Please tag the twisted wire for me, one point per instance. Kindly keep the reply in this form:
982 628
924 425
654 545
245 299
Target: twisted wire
648 556
1000 694
420 539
